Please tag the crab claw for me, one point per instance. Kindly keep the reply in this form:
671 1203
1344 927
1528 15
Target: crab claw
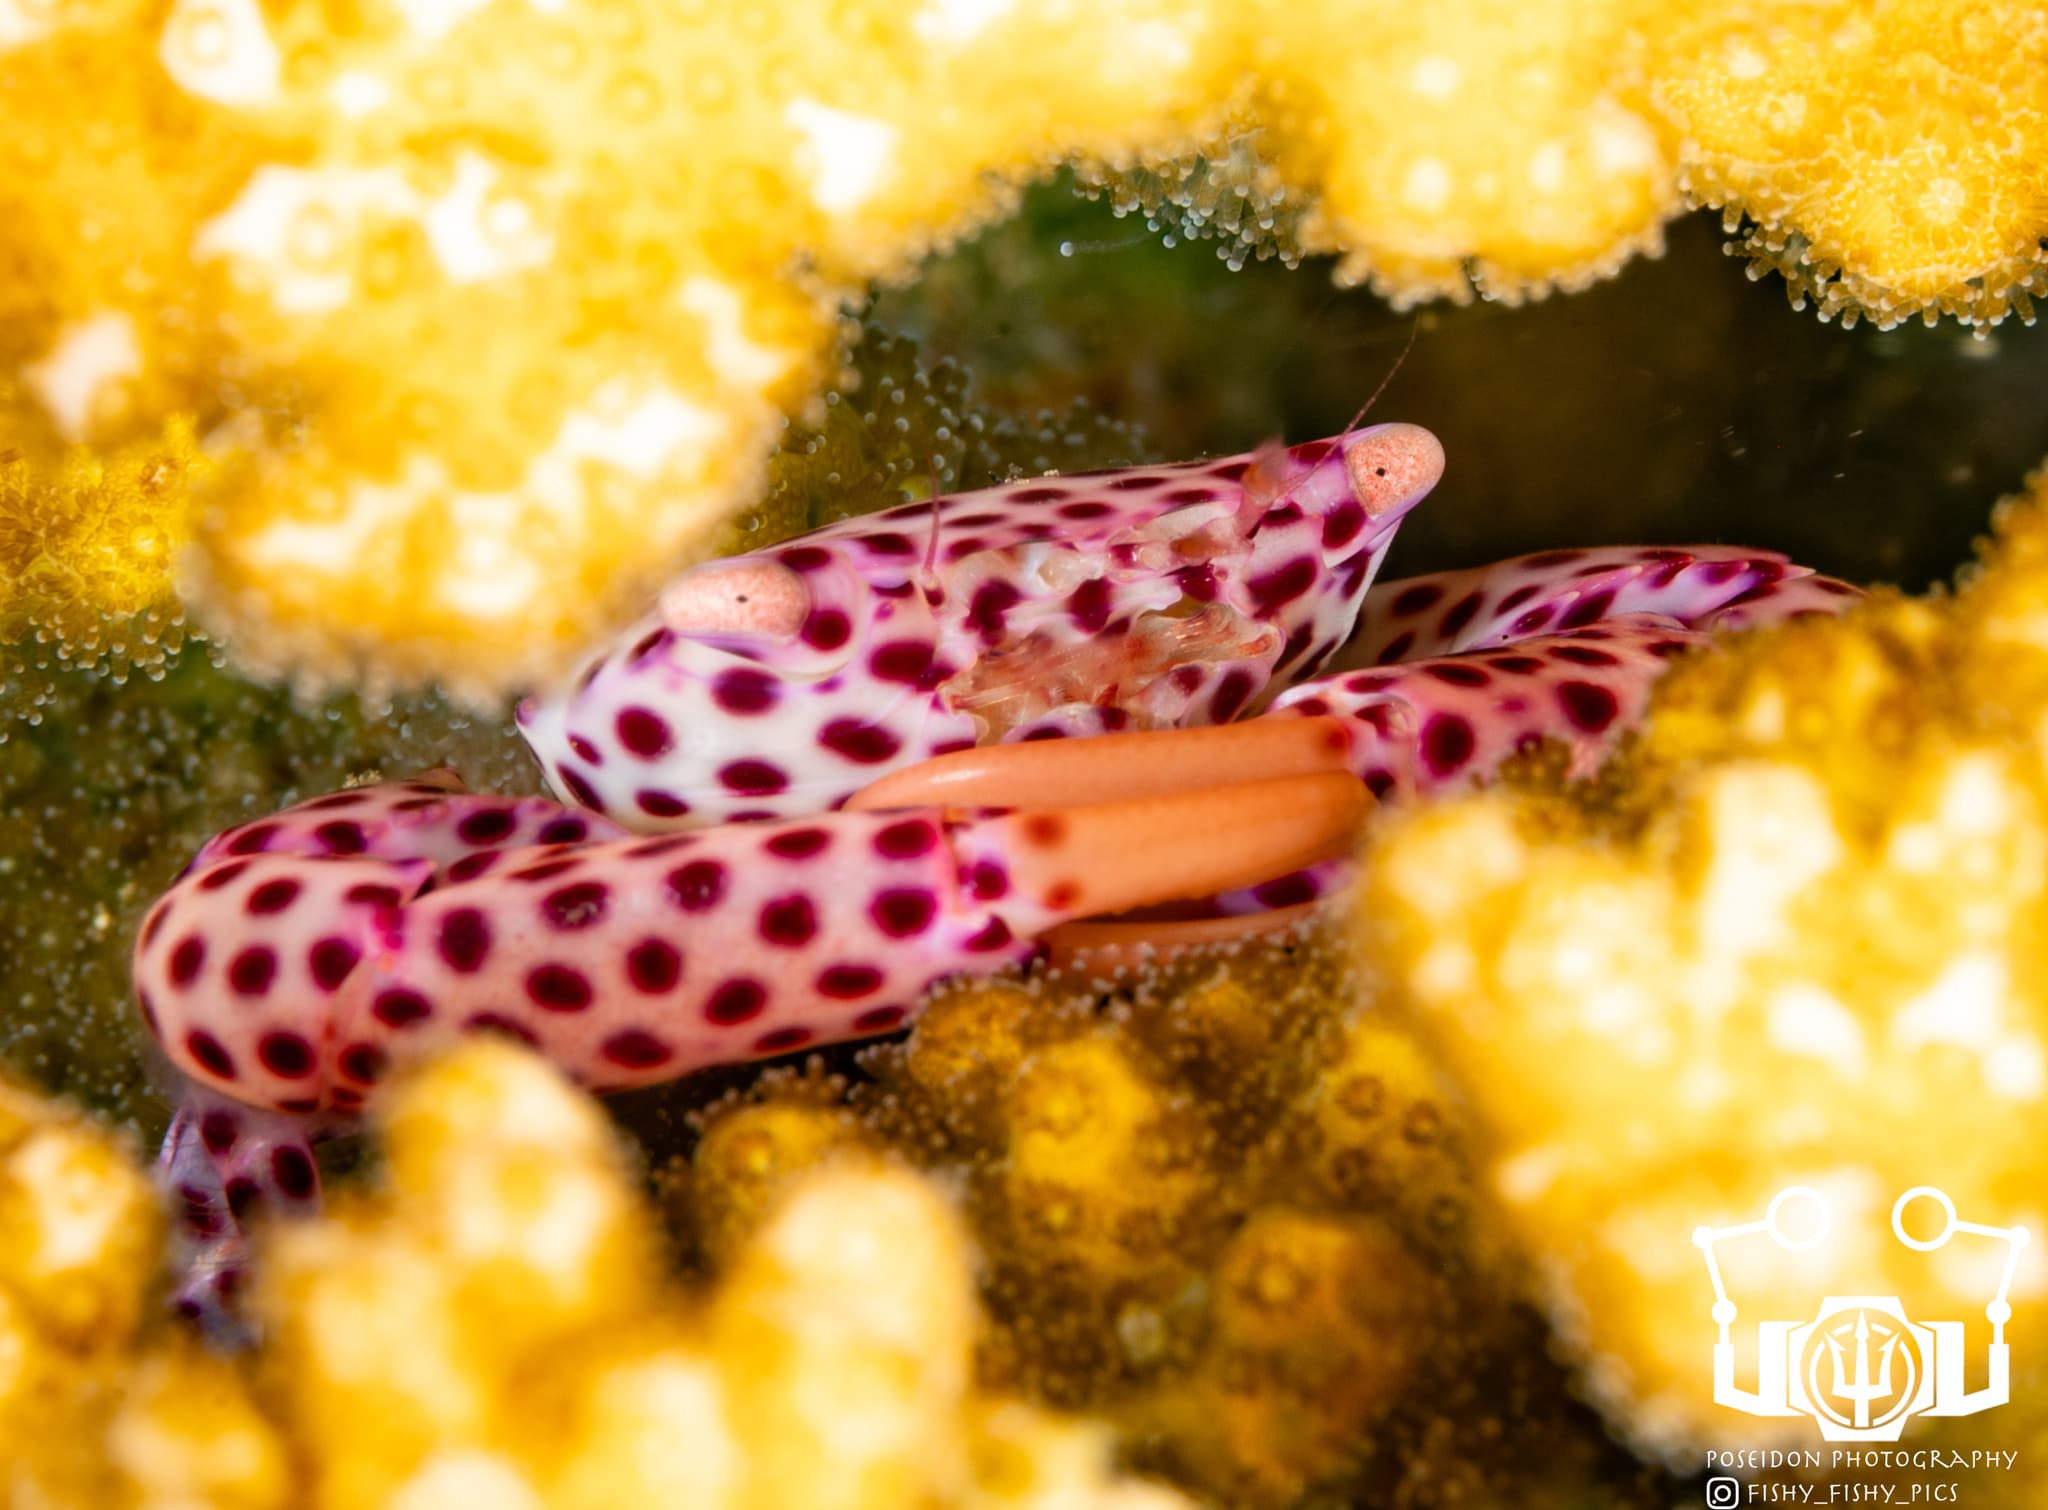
1108 767
1071 862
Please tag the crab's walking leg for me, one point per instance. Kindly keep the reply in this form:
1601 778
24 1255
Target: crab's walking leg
222 1162
1487 607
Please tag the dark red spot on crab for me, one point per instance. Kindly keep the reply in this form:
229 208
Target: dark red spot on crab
1416 599
805 557
659 804
1447 743
735 1001
330 960
1396 649
1458 673
464 940
362 1062
217 1131
654 965
206 1050
905 661
251 841
1088 605
272 897
862 743
1233 691
745 692
798 843
293 1172
903 912
1287 891
826 629
697 886
562 831
1515 665
1586 610
251 971
992 935
285 1054
906 840
399 1007
1460 614
636 1049
1282 585
493 825
1589 708
848 982
752 778
469 867
788 922
579 905
558 988
782 1040
499 1024
1586 655
187 959
223 875
580 790
644 733
341 837
1342 524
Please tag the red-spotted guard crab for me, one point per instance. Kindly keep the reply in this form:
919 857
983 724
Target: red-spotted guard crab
946 648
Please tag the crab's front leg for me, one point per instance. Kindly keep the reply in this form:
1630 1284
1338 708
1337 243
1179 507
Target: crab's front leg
283 981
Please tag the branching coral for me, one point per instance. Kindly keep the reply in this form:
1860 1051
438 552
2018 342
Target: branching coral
491 1327
499 309
1794 940
1227 1213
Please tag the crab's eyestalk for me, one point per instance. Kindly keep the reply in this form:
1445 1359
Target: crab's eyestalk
752 595
1392 467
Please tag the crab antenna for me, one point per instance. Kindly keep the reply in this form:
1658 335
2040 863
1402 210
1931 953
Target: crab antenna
931 545
1392 372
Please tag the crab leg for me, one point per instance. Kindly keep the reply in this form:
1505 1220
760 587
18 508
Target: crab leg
1425 725
284 972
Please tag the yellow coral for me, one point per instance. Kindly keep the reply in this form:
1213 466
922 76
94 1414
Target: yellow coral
87 543
1796 943
490 1324
503 306
96 1406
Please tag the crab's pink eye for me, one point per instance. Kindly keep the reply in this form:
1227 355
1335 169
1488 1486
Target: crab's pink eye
1391 463
748 596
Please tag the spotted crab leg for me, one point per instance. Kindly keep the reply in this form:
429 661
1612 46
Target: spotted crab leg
1495 684
302 954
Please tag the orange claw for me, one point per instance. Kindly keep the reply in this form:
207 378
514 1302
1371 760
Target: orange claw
1063 773
1071 862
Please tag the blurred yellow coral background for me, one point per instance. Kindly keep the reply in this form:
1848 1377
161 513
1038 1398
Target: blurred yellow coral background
1793 938
490 313
491 1328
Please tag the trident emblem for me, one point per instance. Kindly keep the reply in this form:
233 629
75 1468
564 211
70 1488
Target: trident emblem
1861 1390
